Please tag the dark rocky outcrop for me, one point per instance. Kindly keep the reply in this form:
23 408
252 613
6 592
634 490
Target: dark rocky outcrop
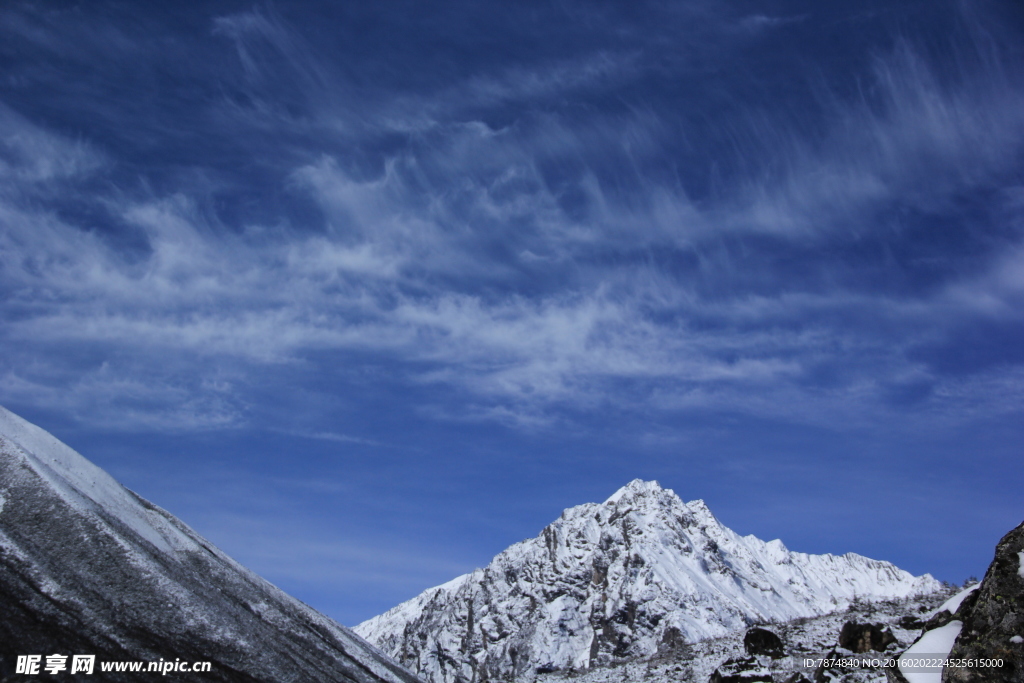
673 641
865 637
760 641
911 623
797 677
825 674
993 619
937 620
741 670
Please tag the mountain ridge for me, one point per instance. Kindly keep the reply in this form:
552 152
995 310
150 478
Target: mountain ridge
612 581
89 567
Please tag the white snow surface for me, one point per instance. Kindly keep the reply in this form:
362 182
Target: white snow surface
85 486
934 644
953 604
615 581
1020 564
804 640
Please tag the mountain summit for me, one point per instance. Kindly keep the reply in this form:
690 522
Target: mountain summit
641 572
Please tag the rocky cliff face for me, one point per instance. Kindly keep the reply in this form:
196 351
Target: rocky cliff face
639 573
993 619
88 567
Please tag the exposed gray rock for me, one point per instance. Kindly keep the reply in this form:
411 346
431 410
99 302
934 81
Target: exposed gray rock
937 620
797 677
630 578
993 619
760 641
845 666
911 623
741 670
865 637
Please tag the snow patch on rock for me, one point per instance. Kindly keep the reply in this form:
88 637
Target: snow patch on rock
934 644
953 604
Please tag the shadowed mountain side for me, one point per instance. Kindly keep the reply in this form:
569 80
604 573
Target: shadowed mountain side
88 567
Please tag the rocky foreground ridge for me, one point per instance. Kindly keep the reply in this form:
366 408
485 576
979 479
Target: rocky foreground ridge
641 574
88 567
868 633
992 619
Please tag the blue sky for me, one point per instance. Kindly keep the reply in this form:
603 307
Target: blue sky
366 292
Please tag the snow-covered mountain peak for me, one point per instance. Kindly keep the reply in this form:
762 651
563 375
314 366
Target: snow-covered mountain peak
638 488
616 580
701 511
649 498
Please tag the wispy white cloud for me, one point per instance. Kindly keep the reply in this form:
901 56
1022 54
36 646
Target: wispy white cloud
467 262
915 142
755 23
336 437
29 155
119 399
518 87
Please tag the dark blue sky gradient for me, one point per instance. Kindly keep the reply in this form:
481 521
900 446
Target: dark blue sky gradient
366 292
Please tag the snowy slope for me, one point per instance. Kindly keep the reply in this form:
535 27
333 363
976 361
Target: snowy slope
88 567
640 572
804 640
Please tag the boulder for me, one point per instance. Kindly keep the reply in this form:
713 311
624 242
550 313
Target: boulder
911 623
760 641
865 637
741 670
993 619
937 620
830 674
797 677
848 667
